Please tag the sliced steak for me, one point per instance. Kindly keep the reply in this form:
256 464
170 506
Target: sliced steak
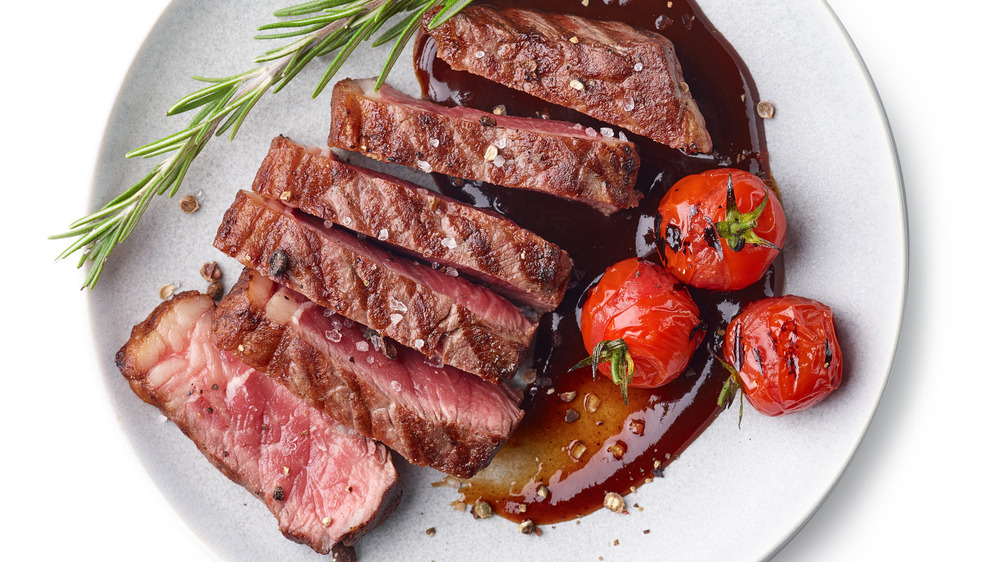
513 261
323 482
554 157
608 70
448 318
431 414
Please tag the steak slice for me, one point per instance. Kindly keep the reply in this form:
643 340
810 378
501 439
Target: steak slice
554 157
512 260
326 485
431 414
629 77
446 318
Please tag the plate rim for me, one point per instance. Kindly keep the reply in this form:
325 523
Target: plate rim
904 293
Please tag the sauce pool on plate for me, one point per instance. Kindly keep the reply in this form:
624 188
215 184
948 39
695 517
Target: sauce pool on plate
578 441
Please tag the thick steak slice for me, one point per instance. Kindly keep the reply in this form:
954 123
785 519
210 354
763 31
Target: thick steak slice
431 414
446 318
554 157
513 261
608 70
323 482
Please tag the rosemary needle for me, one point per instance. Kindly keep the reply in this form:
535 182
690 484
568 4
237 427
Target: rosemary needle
316 28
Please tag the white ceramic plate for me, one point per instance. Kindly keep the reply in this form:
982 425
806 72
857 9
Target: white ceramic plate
735 493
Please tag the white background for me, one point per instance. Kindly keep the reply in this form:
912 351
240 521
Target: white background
923 484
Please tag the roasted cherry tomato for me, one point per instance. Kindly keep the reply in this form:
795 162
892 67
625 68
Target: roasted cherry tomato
785 353
641 325
720 229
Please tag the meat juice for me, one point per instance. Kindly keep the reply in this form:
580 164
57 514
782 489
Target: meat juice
578 440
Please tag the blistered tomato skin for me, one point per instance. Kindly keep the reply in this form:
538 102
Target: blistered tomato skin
691 237
638 301
785 353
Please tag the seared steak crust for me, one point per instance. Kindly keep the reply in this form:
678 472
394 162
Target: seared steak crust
326 484
623 76
432 415
512 260
465 325
554 157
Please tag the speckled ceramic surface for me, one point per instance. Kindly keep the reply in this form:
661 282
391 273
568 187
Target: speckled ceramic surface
735 494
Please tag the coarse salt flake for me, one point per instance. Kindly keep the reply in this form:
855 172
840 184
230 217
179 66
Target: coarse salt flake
449 243
591 132
435 143
498 161
395 318
424 165
383 234
418 343
637 67
501 143
333 335
621 135
480 54
396 305
629 104
607 132
362 346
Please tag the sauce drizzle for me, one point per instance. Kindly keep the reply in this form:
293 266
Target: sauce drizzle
578 440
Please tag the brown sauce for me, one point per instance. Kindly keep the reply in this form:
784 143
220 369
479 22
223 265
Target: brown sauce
613 447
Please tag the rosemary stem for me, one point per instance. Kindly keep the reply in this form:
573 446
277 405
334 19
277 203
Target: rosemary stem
316 27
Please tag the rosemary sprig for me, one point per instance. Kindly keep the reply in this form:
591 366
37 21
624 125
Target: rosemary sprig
318 28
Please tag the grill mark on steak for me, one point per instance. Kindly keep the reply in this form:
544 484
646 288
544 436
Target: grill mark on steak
553 157
257 432
630 77
465 325
493 249
432 415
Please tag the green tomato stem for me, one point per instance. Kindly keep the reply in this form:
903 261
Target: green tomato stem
738 227
731 386
616 354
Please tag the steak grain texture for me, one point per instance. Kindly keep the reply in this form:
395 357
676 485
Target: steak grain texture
445 318
481 244
431 414
326 484
608 70
553 157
